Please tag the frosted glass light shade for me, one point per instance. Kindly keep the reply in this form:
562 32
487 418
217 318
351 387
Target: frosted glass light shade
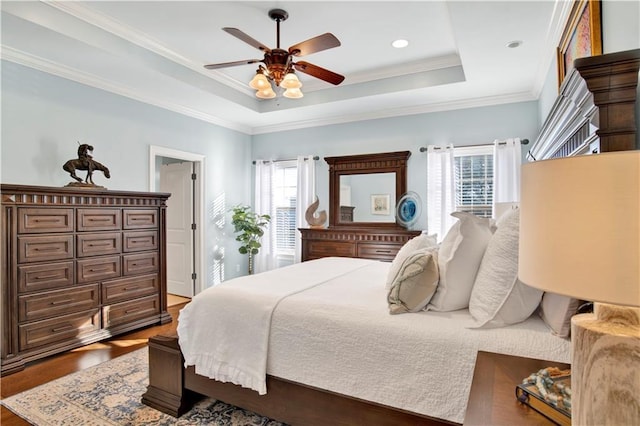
580 227
293 93
267 93
290 81
259 82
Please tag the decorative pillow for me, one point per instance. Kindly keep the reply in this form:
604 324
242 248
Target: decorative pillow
416 243
459 257
416 281
498 297
556 311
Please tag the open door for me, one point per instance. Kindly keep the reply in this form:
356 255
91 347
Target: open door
176 178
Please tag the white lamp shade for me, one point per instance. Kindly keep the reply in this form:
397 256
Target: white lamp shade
580 227
259 82
267 93
290 81
293 93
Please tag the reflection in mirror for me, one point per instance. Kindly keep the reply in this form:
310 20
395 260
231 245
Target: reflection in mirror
364 189
359 194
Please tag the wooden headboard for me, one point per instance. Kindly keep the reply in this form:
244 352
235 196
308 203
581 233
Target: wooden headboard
595 110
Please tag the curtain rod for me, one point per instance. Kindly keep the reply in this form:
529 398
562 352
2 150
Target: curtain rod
522 142
315 157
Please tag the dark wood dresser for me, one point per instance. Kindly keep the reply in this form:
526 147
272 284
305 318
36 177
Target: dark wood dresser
369 243
78 266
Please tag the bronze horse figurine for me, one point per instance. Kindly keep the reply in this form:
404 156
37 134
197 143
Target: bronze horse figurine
85 162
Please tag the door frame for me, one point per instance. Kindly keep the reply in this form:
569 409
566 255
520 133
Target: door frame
198 200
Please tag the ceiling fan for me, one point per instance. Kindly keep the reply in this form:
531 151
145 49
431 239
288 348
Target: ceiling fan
278 63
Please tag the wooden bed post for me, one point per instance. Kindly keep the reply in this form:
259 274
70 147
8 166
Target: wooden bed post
166 390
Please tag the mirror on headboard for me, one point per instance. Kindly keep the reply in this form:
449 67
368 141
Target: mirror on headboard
364 189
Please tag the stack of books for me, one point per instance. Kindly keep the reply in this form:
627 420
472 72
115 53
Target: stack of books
553 399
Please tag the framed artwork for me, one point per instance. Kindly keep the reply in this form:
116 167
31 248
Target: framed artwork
380 204
582 36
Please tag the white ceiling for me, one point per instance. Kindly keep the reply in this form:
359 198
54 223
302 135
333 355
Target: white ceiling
154 51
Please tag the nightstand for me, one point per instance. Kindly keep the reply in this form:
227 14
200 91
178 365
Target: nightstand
492 399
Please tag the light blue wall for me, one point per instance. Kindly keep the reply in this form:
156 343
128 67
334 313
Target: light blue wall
407 133
620 32
44 116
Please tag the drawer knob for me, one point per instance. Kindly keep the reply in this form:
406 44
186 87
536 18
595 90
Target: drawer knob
60 302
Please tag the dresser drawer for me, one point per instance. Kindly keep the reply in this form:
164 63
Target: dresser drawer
44 276
33 220
98 244
133 264
129 288
140 241
316 249
384 252
44 248
58 330
125 312
37 306
99 220
97 269
138 219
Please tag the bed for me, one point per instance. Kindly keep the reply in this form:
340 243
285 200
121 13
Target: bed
334 354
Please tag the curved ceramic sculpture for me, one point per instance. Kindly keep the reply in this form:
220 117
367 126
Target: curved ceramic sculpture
315 221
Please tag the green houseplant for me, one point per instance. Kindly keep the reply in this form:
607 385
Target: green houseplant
250 228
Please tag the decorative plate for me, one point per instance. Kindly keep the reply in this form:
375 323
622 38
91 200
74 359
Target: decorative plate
408 209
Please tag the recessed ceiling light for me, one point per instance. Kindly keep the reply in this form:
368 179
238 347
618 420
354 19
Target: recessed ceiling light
400 43
514 44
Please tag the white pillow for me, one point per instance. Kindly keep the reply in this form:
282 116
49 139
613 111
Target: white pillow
416 281
416 243
556 311
498 297
459 257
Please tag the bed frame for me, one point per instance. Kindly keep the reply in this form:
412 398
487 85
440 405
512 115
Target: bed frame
594 112
173 389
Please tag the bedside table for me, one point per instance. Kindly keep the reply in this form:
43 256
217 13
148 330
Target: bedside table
492 400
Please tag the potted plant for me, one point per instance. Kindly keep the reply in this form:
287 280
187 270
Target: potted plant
250 227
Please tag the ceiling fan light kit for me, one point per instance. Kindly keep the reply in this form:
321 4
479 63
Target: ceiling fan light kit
278 63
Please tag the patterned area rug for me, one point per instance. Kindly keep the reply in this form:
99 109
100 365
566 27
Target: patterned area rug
109 394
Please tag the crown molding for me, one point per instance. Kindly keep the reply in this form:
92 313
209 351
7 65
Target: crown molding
139 38
398 112
559 16
22 58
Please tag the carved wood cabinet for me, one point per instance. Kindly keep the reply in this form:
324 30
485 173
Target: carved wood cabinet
78 266
595 110
369 243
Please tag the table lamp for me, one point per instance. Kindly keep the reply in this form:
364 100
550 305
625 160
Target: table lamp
580 237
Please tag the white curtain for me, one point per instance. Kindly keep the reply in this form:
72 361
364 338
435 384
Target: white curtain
265 259
306 192
506 171
440 189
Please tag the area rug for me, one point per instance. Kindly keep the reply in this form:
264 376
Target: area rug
109 394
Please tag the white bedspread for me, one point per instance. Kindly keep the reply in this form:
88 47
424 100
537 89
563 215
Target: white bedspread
224 331
339 336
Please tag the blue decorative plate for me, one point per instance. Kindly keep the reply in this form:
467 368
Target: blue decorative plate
408 209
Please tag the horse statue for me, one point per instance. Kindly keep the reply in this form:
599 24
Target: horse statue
85 162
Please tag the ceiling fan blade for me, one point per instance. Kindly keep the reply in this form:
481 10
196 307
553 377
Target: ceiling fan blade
315 44
231 64
319 72
247 39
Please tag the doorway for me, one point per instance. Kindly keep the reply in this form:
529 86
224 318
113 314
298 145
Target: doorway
180 173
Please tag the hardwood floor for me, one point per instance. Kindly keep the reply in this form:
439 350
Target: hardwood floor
56 366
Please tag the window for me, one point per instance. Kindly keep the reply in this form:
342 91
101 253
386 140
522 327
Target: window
284 183
474 179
